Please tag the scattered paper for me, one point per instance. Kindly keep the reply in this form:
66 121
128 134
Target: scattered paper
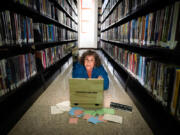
100 112
64 106
64 103
113 118
101 118
73 120
56 110
71 112
78 113
91 112
87 116
108 111
94 120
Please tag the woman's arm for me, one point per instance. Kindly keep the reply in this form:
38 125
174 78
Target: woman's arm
78 71
104 75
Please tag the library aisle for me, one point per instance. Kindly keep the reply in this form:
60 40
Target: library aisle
38 120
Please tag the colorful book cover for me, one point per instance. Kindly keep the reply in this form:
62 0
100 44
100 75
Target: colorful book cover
27 66
143 30
139 30
146 30
152 29
140 65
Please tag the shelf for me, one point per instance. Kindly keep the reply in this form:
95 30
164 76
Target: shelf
22 95
156 115
71 7
105 7
56 63
136 79
16 103
165 55
13 50
148 7
61 8
154 108
40 46
37 17
111 10
10 51
11 92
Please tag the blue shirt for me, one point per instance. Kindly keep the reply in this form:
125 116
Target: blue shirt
79 71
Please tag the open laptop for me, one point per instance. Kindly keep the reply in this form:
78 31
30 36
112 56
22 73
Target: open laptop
86 93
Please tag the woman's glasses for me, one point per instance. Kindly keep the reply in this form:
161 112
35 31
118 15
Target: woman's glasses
89 60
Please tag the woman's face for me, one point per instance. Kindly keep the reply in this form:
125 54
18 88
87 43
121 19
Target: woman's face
89 62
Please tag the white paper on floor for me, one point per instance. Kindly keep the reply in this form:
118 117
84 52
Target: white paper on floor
64 106
61 107
56 110
113 118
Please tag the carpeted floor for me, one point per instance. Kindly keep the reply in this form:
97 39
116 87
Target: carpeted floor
38 120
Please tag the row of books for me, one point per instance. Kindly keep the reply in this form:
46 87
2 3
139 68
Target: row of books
99 23
15 28
48 33
74 6
18 29
159 28
124 8
160 79
67 7
16 70
45 7
64 19
118 14
114 16
106 7
48 9
50 56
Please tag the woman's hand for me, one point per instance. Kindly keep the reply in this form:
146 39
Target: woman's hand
99 77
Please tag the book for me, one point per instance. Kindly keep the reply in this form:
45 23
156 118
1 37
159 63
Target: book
173 39
175 92
167 19
178 107
4 76
151 35
146 30
27 66
121 106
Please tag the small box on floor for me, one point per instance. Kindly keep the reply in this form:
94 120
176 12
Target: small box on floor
86 93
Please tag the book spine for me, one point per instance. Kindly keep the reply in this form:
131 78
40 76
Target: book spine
175 92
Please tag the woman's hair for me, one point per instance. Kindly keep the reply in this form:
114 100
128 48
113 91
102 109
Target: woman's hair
90 53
